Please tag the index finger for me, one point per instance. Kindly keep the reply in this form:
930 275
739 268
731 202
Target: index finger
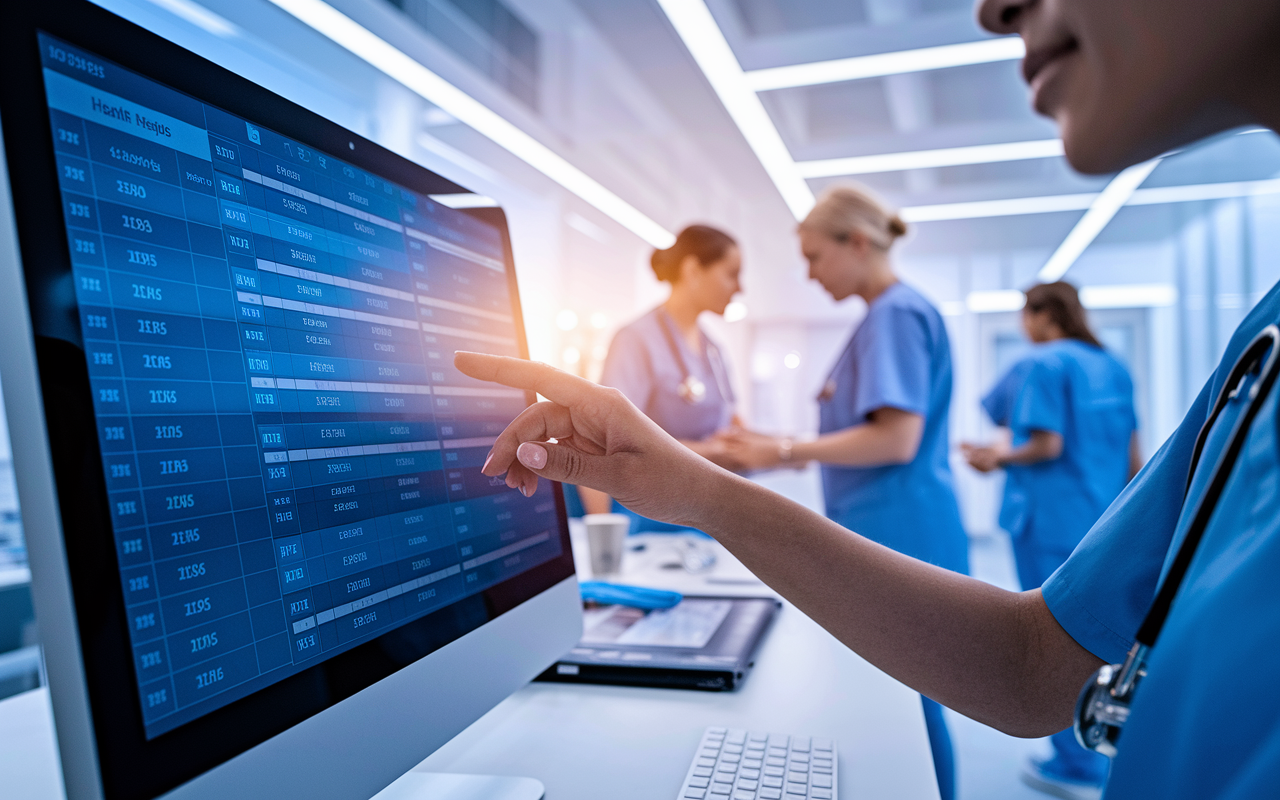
551 383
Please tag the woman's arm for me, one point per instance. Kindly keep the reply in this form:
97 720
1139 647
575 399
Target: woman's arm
996 656
1135 456
889 436
1040 446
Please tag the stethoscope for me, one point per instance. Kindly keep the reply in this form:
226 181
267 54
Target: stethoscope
1103 706
690 389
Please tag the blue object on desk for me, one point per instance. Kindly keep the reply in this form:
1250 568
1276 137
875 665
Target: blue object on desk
633 596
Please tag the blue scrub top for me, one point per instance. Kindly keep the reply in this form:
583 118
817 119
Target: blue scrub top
899 357
1205 722
1084 395
644 367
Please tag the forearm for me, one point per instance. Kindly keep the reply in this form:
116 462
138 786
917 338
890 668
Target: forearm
872 444
1041 446
996 656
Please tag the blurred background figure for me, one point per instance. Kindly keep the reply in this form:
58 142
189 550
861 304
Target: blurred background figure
667 365
1071 448
883 439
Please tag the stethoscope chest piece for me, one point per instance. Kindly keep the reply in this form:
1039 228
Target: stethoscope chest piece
692 390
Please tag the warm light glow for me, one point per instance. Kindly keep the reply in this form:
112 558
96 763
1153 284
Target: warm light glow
735 311
1100 212
881 64
567 320
923 159
695 25
599 320
791 360
402 68
571 356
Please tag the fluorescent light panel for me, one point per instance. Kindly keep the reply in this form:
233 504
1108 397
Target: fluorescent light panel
1101 211
705 41
1018 206
876 66
923 159
402 68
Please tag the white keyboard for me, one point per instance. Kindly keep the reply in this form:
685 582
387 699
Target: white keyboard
744 765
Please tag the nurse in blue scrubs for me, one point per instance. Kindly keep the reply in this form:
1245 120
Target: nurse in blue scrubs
667 365
1069 408
883 439
1126 80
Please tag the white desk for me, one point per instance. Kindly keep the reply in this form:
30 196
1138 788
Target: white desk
621 743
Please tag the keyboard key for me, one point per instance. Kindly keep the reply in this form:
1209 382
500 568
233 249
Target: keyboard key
734 764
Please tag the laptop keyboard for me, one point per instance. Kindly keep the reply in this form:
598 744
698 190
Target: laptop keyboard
745 765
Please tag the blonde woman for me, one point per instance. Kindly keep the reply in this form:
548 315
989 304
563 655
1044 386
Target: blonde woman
883 434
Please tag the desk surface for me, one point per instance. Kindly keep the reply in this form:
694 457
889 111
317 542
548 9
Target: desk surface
624 743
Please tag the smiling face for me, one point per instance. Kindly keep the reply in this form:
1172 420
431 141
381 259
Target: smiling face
1129 79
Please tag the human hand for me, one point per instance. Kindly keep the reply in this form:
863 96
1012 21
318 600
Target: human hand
602 441
753 450
983 458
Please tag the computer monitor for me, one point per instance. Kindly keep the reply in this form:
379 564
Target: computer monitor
265 560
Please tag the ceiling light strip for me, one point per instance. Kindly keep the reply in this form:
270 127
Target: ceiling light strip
924 159
877 66
1018 206
402 68
702 36
1100 212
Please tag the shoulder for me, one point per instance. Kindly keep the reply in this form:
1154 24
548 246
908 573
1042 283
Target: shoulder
901 306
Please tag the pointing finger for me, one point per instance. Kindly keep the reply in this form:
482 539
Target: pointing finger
551 383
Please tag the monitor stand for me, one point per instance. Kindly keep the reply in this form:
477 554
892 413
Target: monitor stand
415 785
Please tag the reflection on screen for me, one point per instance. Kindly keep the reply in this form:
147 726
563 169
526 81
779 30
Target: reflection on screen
291 458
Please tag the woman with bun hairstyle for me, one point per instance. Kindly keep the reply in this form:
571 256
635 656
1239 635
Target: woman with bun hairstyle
883 432
666 365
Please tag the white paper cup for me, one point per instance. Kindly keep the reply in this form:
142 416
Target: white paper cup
606 541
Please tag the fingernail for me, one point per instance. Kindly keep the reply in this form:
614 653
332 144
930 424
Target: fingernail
524 490
532 455
487 459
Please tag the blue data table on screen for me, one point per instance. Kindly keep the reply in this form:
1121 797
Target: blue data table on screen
291 458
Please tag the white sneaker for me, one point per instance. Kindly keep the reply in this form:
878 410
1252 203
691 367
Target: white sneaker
1042 776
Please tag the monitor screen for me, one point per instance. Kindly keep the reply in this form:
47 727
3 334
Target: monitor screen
290 457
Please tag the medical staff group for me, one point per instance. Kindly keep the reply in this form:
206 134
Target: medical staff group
883 440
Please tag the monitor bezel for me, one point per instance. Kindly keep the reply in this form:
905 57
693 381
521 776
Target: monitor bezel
127 764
